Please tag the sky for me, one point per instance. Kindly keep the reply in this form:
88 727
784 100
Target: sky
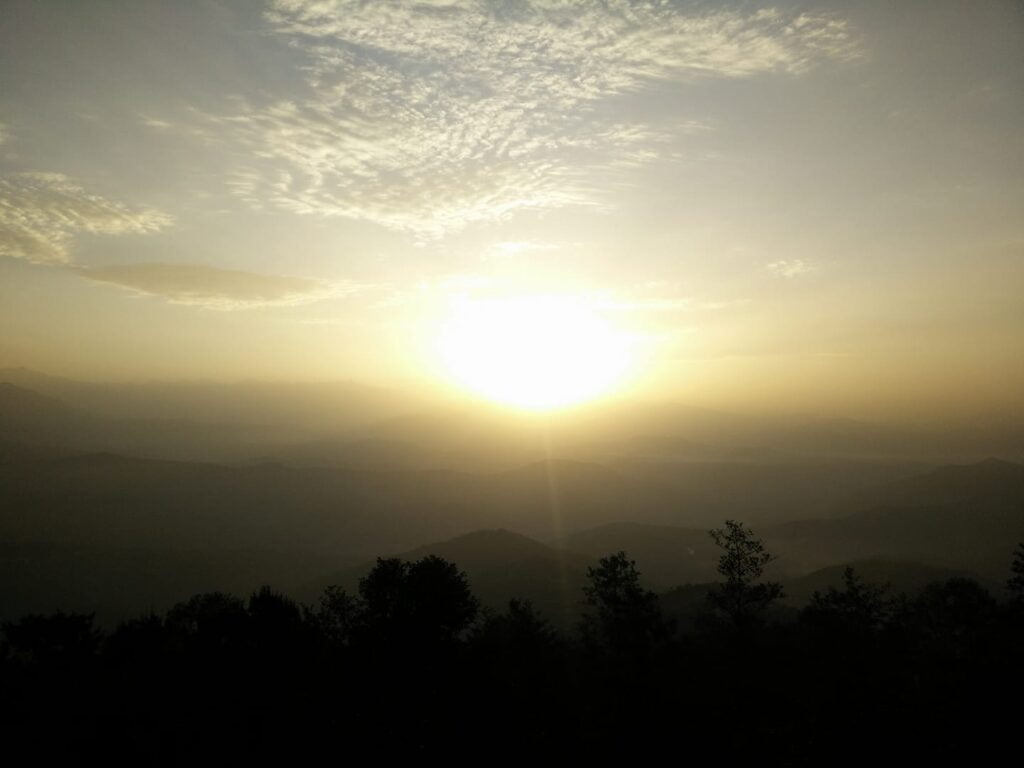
797 206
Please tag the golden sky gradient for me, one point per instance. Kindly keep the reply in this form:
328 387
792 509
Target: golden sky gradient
791 206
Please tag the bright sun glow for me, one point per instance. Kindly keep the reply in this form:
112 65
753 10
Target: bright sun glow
534 352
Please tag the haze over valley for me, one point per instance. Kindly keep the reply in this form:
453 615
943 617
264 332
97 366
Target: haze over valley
122 498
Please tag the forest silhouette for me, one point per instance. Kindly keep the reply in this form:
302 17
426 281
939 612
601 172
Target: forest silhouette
410 665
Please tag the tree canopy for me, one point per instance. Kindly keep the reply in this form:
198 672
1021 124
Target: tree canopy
620 615
742 597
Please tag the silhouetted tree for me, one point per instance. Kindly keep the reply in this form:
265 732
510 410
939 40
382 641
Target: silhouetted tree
422 603
742 598
857 610
621 617
406 642
440 597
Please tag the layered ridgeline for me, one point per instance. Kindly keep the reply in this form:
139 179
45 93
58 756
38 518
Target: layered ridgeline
121 498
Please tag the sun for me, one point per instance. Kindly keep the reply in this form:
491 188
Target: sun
536 352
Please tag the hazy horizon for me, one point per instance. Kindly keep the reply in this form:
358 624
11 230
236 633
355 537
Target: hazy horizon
418 396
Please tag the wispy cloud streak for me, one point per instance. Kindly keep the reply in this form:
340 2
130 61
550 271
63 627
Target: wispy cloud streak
212 288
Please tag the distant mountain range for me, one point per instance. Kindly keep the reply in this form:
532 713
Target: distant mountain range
95 515
81 527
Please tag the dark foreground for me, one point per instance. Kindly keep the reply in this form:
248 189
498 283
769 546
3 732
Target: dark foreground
410 667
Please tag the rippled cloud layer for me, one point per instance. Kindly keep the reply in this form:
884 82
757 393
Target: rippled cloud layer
430 116
41 213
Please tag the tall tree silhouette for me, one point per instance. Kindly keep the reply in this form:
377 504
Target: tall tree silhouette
742 597
621 617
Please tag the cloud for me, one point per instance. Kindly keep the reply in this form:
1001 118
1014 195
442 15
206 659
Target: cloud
41 213
212 288
430 116
5 134
790 267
